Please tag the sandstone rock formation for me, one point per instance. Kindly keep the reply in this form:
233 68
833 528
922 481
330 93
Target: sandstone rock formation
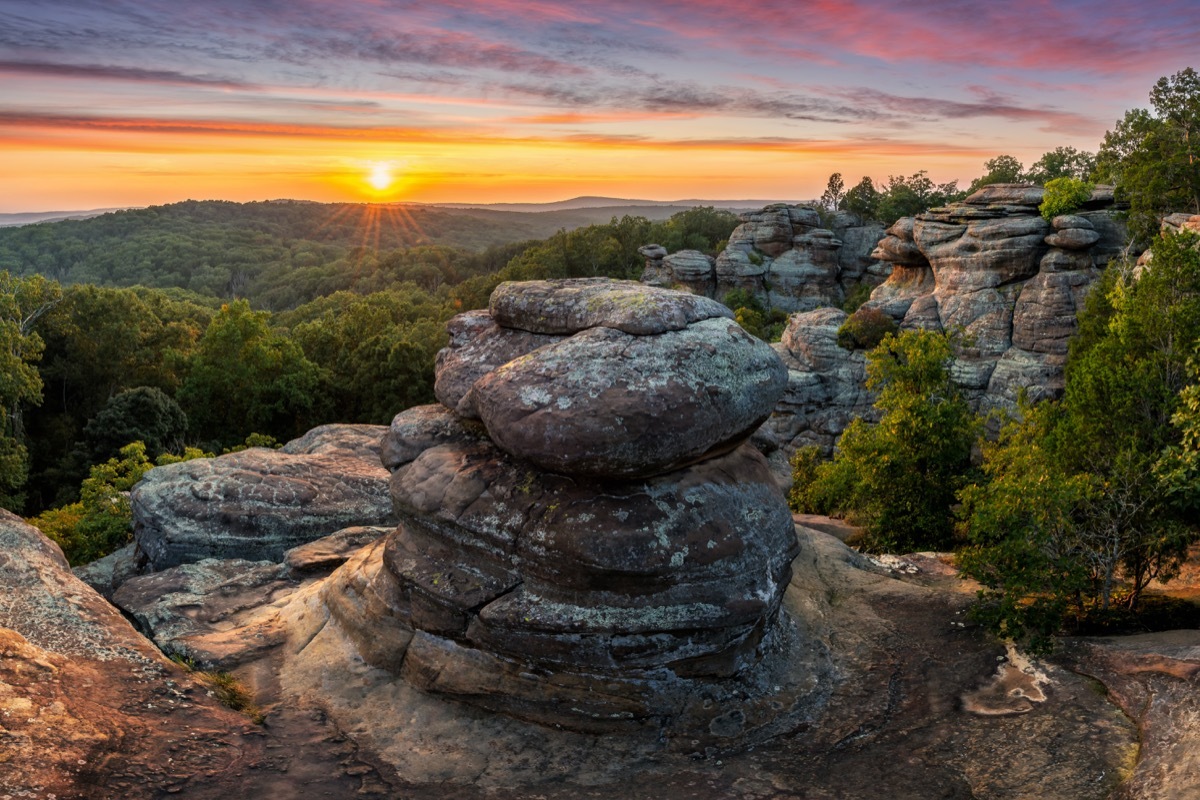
85 700
988 268
258 503
600 550
780 255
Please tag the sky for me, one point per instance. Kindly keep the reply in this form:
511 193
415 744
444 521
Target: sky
112 103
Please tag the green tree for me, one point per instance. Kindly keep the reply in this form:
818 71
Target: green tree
1001 169
245 377
144 414
835 192
1153 156
100 522
1027 546
754 317
1064 196
22 302
906 197
1062 162
863 199
1089 500
898 478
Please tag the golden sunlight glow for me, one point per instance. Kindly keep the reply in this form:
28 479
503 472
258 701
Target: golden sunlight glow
381 176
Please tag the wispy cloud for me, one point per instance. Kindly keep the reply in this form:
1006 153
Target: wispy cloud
95 72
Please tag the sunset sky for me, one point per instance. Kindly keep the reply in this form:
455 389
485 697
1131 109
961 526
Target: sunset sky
109 103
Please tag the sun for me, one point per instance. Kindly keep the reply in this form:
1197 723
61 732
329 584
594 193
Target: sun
381 176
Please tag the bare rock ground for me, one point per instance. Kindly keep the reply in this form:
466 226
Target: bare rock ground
923 705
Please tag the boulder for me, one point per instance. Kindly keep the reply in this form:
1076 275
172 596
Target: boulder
566 307
782 256
164 605
691 270
258 503
477 346
607 403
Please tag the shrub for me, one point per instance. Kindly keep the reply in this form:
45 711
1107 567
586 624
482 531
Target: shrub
99 523
898 478
865 329
858 295
1064 196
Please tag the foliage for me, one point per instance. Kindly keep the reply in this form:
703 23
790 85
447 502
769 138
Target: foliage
254 440
750 313
99 343
898 478
100 522
22 302
858 294
377 351
1153 156
233 694
1061 162
1064 196
862 199
835 192
1178 470
865 329
1026 547
906 197
282 254
244 376
1093 499
144 414
1001 169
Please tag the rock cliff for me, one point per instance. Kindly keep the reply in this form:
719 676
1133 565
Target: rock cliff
988 269
782 256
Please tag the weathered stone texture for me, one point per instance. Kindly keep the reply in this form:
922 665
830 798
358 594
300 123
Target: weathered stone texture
989 269
782 256
257 503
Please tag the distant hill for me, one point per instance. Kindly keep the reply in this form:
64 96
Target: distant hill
280 253
32 217
614 202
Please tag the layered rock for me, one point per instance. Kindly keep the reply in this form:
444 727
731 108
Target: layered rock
258 503
600 549
988 269
88 707
782 256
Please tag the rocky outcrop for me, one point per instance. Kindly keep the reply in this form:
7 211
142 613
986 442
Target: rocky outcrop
88 707
782 256
988 269
258 503
600 550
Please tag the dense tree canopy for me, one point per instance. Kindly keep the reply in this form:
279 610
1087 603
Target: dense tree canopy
1114 512
22 302
898 478
1153 155
246 377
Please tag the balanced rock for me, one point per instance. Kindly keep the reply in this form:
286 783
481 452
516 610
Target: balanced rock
477 346
601 551
606 403
258 503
